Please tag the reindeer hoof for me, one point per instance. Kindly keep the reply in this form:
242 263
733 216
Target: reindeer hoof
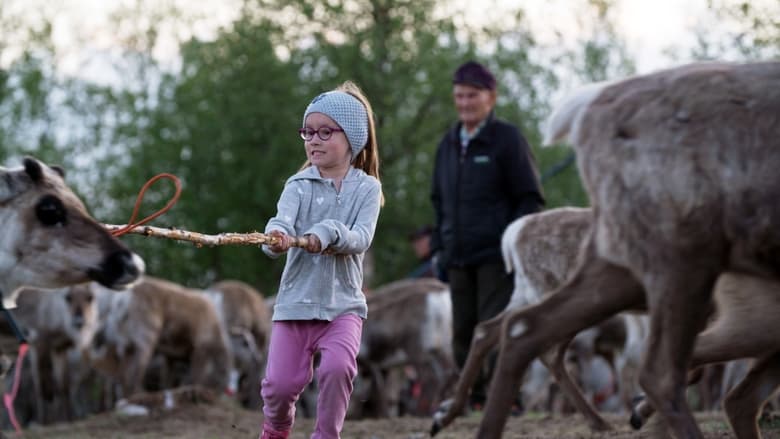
435 428
439 416
636 420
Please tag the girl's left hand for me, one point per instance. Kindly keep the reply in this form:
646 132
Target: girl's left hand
313 245
283 241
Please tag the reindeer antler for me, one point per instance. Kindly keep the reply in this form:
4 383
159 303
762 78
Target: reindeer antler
200 239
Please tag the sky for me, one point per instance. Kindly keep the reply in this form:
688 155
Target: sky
649 27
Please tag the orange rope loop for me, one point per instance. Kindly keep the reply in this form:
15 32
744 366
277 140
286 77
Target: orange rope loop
130 224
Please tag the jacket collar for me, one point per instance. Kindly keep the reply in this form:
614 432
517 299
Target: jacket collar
485 134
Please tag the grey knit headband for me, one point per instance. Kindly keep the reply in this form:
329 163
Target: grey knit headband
348 112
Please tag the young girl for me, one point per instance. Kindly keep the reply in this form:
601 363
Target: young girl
334 202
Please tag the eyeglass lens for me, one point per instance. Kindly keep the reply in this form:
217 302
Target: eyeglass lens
323 133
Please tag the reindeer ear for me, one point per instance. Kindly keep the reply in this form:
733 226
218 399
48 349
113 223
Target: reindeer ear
33 168
58 169
6 179
12 183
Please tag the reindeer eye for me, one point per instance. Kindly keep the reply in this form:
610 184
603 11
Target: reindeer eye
50 211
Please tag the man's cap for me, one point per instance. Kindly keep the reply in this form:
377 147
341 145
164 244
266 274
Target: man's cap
474 73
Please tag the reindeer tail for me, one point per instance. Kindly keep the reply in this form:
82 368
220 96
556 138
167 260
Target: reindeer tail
509 245
563 123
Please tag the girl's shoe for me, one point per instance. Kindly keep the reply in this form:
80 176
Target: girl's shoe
269 433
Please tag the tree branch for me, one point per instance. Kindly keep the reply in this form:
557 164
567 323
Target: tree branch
200 239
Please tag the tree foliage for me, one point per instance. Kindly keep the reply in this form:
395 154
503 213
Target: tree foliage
224 119
225 123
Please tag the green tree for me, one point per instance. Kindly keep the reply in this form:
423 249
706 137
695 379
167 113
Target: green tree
27 87
225 125
746 30
404 59
224 118
597 54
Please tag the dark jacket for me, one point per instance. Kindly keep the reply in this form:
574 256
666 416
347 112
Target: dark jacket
476 196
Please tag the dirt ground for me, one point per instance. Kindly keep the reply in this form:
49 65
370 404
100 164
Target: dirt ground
225 420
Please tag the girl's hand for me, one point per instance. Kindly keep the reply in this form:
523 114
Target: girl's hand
313 245
283 241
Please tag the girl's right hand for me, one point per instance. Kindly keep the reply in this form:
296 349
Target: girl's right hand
283 241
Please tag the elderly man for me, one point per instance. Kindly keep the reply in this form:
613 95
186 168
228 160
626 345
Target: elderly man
484 178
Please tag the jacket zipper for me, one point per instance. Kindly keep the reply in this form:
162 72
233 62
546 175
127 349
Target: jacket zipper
456 256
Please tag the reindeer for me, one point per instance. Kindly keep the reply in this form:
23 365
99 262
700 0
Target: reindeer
49 240
541 250
409 325
247 319
61 324
530 244
160 316
680 166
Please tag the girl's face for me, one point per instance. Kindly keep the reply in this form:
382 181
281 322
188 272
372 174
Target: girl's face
332 154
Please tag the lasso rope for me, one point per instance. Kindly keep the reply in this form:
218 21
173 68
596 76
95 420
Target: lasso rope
199 239
121 230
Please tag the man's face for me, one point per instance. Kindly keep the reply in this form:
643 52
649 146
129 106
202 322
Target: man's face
473 104
422 246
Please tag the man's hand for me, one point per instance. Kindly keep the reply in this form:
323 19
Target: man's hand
282 243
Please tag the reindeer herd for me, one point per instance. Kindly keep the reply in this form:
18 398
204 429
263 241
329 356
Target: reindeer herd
681 170
674 267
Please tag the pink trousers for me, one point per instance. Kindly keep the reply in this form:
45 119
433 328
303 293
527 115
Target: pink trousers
289 369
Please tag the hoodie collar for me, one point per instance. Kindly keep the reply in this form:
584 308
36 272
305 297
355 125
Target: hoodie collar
311 173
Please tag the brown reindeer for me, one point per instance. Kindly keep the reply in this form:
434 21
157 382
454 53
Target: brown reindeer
681 168
536 239
541 250
61 324
49 240
410 325
247 320
160 316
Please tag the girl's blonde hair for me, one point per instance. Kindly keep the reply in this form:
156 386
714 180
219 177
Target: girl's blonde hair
368 158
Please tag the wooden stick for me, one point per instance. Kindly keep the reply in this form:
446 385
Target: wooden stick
200 239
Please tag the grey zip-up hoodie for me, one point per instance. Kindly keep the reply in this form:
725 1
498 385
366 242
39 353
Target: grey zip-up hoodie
317 286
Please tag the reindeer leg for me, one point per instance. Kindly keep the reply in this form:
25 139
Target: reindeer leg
642 410
61 375
730 337
38 378
674 299
486 337
377 384
598 290
743 404
444 372
134 369
554 361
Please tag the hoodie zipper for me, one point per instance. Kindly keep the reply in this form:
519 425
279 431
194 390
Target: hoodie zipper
338 192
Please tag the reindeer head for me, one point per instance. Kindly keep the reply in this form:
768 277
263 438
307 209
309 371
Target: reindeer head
49 239
81 304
